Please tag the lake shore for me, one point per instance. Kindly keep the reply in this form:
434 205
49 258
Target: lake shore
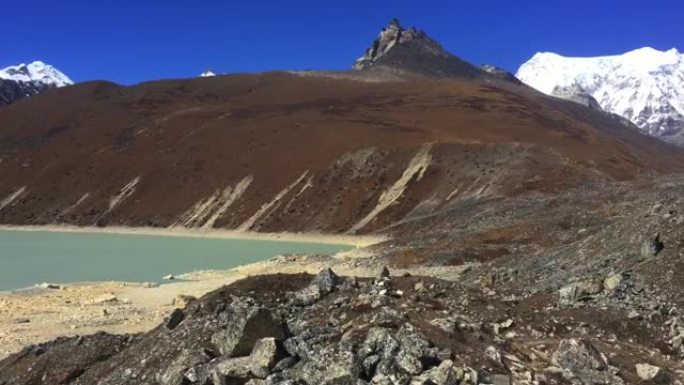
335 239
42 314
39 314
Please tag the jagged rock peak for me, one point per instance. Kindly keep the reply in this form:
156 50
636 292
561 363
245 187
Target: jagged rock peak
390 36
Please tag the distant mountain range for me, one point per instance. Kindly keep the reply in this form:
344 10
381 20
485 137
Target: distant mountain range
24 80
645 86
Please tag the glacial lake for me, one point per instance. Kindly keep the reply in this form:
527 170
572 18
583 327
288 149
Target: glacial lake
31 257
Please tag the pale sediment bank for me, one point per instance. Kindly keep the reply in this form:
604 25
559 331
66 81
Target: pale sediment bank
335 239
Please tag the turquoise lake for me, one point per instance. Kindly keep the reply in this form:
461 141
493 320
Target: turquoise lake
31 257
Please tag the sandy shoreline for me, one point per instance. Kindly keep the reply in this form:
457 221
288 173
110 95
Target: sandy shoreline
41 315
334 239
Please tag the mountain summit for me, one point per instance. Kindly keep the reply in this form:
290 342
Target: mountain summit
36 72
23 80
645 86
412 50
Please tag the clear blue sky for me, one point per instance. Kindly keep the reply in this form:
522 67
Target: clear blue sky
129 41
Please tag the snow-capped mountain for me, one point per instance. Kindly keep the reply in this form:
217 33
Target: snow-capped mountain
36 72
25 80
645 86
207 74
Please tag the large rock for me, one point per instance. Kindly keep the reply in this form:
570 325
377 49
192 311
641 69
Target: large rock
444 374
648 372
174 319
611 283
232 370
326 281
578 291
329 367
174 371
413 350
323 283
248 324
576 355
652 248
379 343
265 354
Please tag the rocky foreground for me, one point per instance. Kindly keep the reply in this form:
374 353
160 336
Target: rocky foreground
299 329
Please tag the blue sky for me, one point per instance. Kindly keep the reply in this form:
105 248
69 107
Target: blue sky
129 41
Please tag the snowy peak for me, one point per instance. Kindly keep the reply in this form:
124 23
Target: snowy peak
36 72
645 86
207 74
26 80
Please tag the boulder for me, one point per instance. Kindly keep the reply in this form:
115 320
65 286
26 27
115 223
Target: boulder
611 283
498 379
578 291
175 371
649 372
326 281
231 369
323 283
174 319
200 374
652 248
576 355
284 364
444 374
329 367
265 354
248 324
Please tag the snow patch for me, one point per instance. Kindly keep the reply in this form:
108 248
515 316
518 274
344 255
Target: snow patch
124 193
416 168
206 212
268 208
12 197
75 205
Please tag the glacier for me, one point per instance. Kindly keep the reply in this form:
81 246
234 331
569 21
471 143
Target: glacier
645 86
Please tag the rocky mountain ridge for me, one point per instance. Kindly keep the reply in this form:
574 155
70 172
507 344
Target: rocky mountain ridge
413 51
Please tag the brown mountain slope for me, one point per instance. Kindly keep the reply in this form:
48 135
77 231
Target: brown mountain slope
279 151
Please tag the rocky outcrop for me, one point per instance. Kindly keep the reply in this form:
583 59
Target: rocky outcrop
413 51
500 73
577 94
11 91
389 330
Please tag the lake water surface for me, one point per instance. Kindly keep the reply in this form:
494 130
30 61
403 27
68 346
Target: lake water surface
30 257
